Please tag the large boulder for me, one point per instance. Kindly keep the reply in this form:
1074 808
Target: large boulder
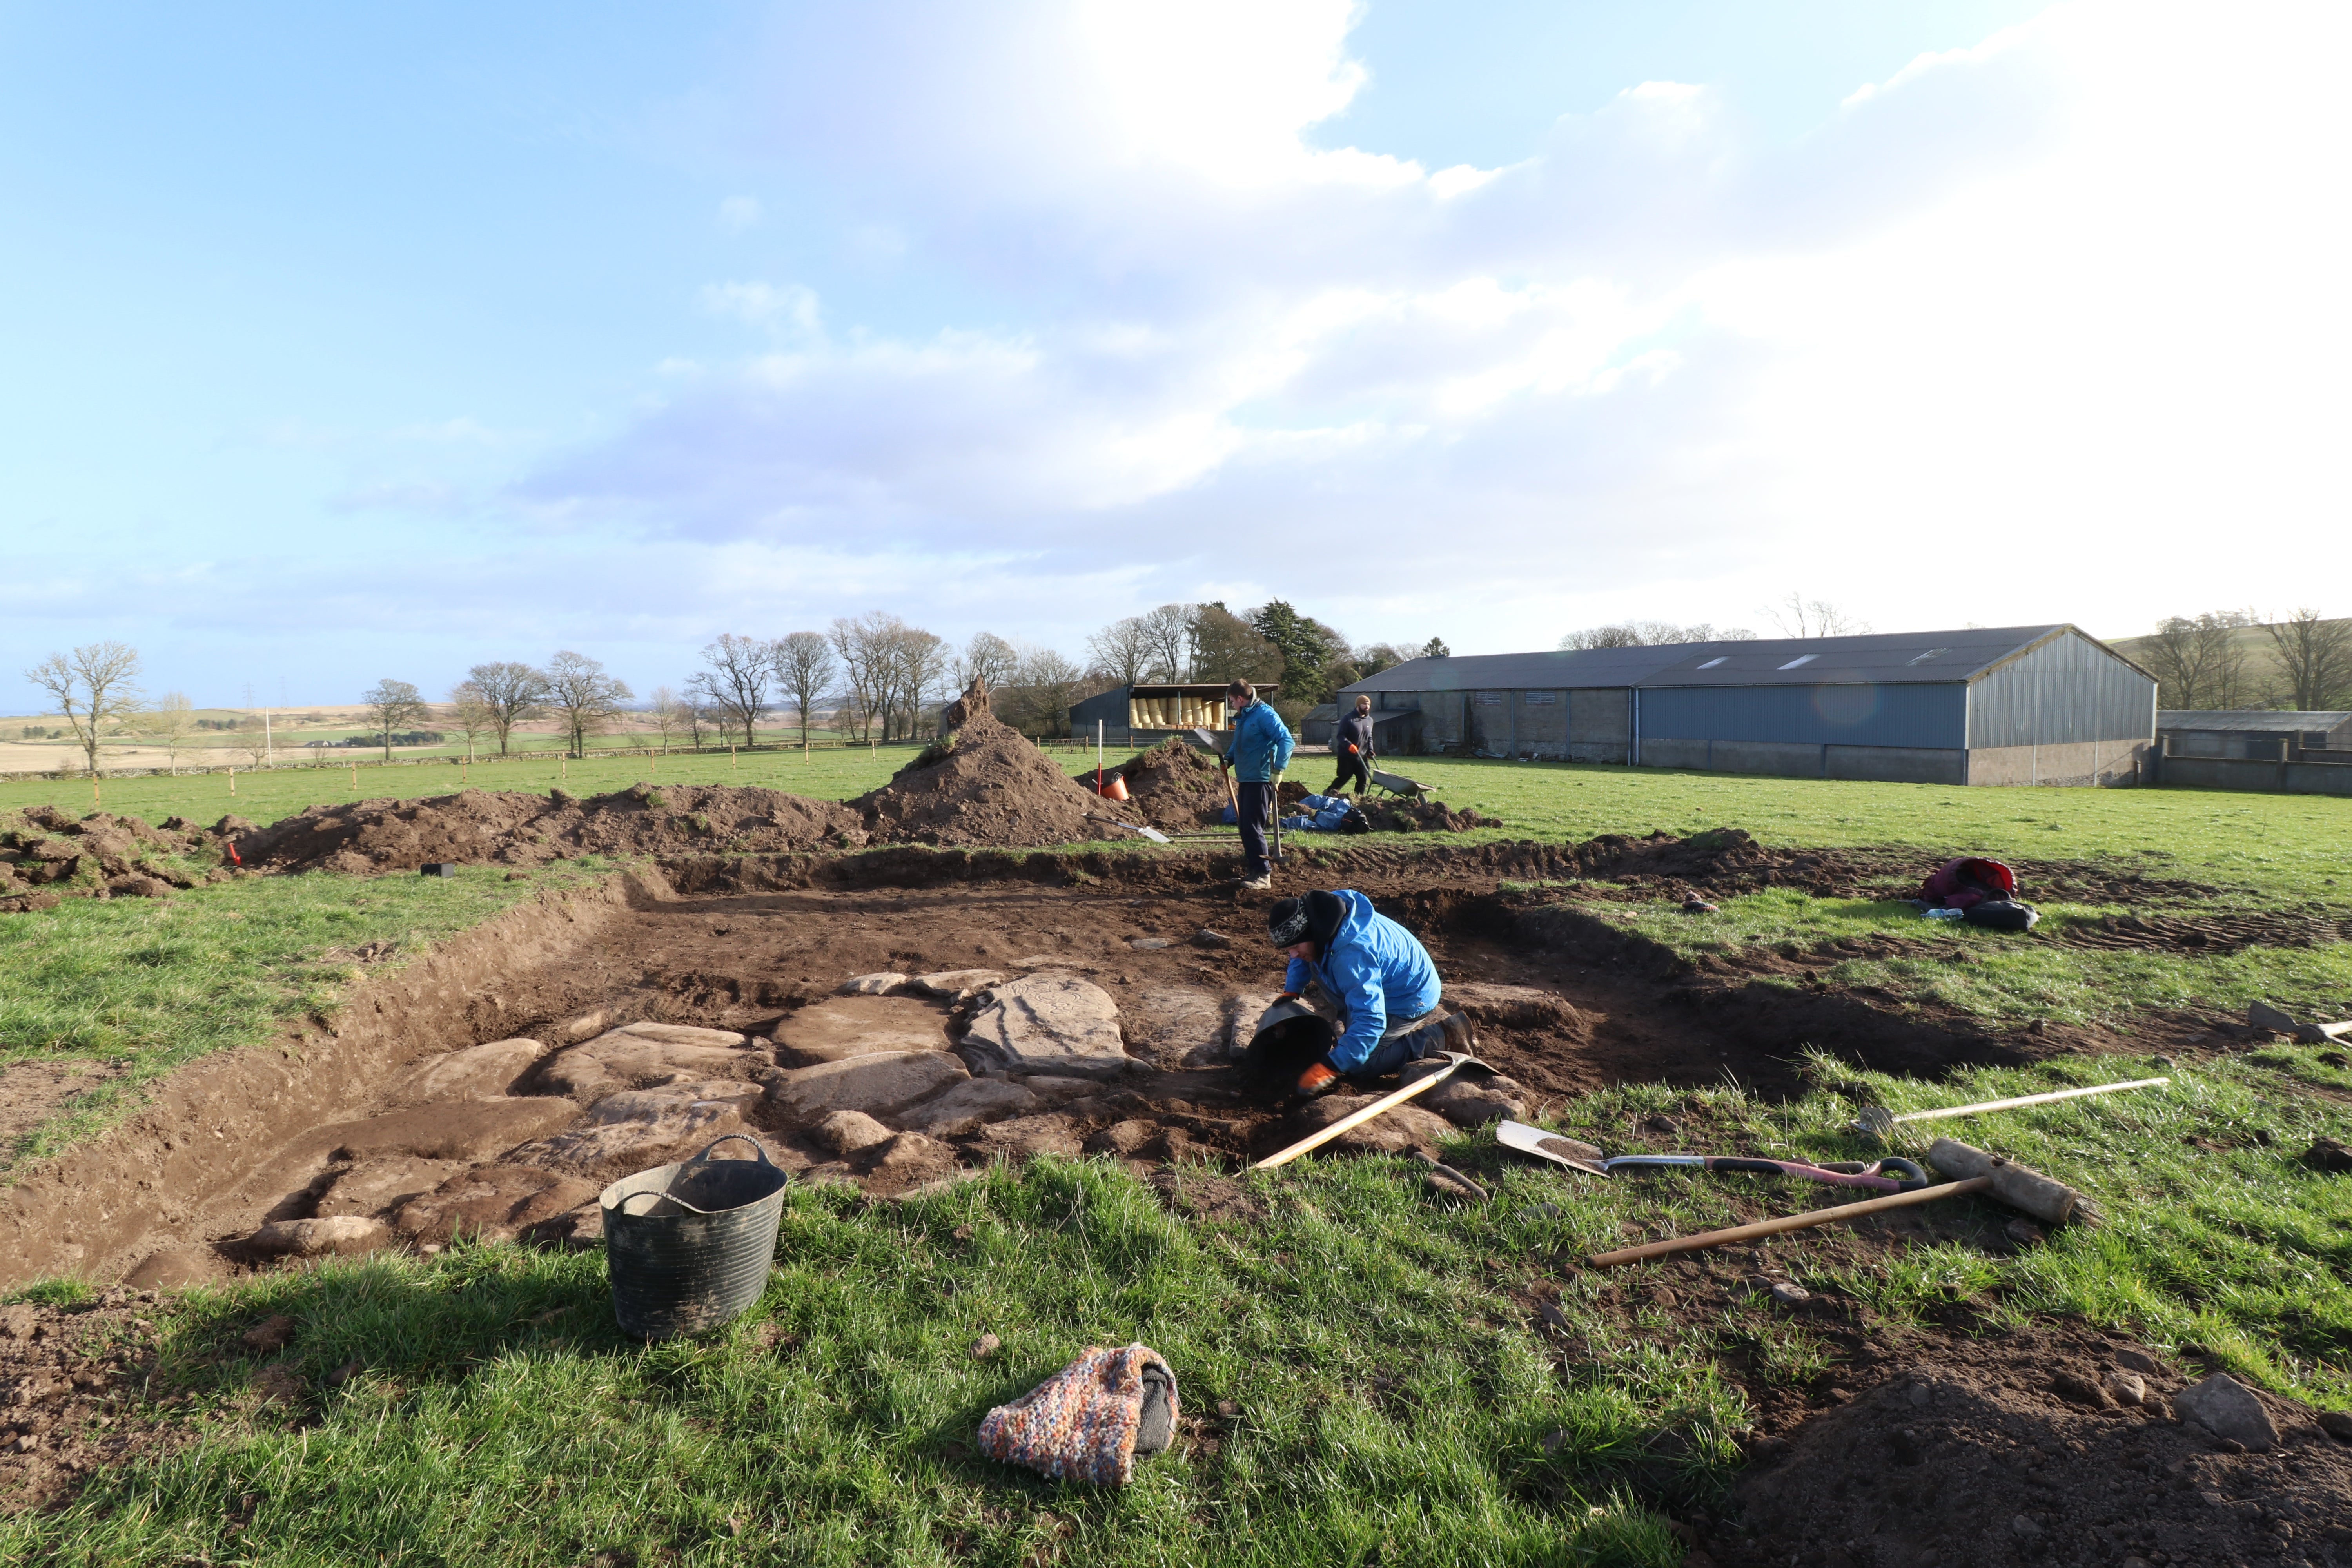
849 1026
476 1071
493 1203
877 1085
847 1132
2227 1409
644 1056
1468 1099
450 1130
1051 1022
374 1185
964 1107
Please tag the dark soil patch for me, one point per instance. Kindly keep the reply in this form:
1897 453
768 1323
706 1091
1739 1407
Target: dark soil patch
1176 785
75 1394
512 828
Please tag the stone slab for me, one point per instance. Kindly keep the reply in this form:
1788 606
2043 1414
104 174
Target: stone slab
318 1237
624 1058
475 1072
374 1185
1051 1022
494 1202
861 1025
1175 1025
874 985
962 1107
955 985
450 1130
877 1085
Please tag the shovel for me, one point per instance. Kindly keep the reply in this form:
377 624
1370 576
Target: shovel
1454 1062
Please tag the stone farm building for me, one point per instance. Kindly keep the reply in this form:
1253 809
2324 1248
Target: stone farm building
2014 705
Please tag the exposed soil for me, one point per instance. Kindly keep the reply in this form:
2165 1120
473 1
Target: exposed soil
993 786
1178 787
74 1385
511 827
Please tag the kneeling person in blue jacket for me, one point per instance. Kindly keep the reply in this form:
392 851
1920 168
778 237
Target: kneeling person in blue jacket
1380 978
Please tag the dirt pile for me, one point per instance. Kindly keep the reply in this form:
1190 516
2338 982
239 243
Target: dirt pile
514 829
41 862
1176 785
984 784
2052 1444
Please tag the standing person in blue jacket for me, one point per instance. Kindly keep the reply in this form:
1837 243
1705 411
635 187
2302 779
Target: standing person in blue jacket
1377 973
1260 750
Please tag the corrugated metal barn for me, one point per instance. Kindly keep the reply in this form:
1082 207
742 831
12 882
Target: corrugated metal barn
2013 705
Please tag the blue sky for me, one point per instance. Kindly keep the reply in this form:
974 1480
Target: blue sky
350 342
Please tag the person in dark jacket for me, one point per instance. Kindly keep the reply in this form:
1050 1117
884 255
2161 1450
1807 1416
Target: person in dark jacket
1378 975
1257 753
1352 745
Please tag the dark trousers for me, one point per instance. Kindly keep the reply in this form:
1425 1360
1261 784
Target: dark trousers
1354 768
1255 810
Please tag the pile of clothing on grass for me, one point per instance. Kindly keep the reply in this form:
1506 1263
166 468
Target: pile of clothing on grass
1979 891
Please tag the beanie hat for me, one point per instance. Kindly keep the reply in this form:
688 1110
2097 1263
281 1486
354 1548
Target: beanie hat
1293 921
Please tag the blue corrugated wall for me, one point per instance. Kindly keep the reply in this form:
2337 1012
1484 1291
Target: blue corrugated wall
1899 715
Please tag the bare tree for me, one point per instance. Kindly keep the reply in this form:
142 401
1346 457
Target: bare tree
588 699
95 687
1798 616
1167 631
1037 701
469 715
1653 633
987 657
669 714
2316 657
1124 649
805 669
394 705
920 666
737 682
2199 662
864 646
170 723
700 710
512 692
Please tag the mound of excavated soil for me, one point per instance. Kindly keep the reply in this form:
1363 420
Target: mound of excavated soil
1176 785
2016 1449
511 827
993 786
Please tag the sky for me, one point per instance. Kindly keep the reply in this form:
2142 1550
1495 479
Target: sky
351 343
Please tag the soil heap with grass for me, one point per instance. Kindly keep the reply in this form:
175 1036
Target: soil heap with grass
983 783
1176 785
512 827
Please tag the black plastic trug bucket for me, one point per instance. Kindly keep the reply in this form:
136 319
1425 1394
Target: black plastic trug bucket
688 1246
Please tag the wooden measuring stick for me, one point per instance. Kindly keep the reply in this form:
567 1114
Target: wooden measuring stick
2029 1099
1354 1119
1791 1221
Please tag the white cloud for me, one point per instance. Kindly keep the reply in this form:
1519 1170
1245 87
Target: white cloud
2019 324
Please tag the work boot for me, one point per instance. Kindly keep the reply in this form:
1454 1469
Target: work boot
1459 1036
1261 883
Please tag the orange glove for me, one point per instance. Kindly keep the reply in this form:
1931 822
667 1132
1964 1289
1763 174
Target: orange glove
1316 1078
1351 748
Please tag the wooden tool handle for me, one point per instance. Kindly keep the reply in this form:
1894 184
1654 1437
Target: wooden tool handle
1353 1119
2029 1099
1790 1222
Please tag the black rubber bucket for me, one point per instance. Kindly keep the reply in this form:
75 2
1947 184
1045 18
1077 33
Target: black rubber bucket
688 1246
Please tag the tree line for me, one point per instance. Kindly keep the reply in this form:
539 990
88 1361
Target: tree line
2206 661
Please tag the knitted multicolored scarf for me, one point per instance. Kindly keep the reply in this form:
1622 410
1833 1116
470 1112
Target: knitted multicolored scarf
1090 1420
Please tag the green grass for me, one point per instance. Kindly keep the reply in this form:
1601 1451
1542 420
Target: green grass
142 985
2004 978
1395 1401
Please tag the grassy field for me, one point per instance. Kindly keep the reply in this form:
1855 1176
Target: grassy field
1391 1399
1369 1382
141 985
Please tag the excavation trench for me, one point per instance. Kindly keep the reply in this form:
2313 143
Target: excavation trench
1044 1003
